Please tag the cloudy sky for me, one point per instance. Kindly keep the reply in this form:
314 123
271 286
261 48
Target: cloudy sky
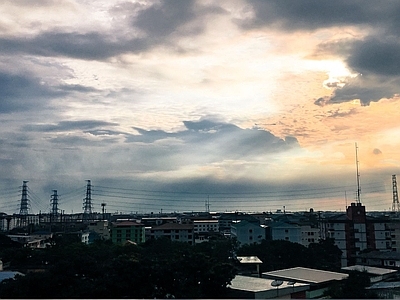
166 105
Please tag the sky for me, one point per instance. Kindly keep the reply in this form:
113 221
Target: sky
193 105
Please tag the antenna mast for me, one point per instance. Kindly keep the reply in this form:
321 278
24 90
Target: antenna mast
358 197
395 204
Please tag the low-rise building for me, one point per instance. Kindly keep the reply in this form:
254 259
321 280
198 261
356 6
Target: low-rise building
285 231
389 259
246 287
247 232
375 274
174 232
127 231
100 228
318 280
205 226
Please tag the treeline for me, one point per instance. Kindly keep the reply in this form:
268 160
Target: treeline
156 269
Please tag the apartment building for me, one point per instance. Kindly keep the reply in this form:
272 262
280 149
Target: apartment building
123 231
174 232
354 232
247 232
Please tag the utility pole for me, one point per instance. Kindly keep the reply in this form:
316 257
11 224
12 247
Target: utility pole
395 204
87 202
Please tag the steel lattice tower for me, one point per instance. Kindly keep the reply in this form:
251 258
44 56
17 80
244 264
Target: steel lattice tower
24 208
395 204
54 203
87 201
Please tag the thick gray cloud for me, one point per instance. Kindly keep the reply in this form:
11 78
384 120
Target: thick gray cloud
376 56
158 22
81 125
88 46
226 140
313 14
162 19
23 93
26 92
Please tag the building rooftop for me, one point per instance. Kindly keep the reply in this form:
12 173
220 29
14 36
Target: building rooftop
173 226
126 224
256 284
8 274
370 270
306 275
249 260
381 255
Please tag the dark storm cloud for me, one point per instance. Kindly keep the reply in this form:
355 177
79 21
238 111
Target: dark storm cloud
314 14
376 56
365 88
227 140
23 93
90 46
163 19
158 22
63 126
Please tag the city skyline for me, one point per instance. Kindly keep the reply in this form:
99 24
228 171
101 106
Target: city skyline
165 104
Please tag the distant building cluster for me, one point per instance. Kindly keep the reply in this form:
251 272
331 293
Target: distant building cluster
370 240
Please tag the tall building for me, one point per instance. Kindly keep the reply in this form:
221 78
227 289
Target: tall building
355 232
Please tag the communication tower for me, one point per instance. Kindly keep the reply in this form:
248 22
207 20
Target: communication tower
395 204
358 196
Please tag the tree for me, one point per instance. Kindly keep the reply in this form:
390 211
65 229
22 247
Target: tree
353 287
156 269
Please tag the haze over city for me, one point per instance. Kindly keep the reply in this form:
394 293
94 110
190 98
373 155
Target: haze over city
165 105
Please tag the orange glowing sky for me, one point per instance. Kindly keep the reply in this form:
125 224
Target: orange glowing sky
258 101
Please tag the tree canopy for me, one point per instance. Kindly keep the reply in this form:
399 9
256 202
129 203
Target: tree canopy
156 269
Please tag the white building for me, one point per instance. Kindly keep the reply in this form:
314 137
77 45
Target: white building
205 226
309 235
286 232
247 232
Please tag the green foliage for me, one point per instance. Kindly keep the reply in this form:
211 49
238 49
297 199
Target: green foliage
157 269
